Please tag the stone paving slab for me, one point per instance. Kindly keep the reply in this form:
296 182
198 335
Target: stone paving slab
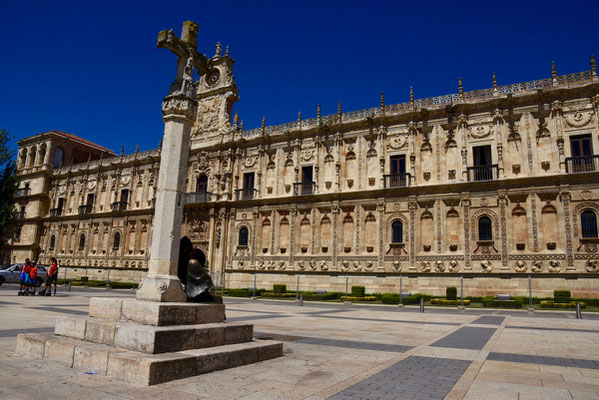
489 320
467 337
412 378
544 360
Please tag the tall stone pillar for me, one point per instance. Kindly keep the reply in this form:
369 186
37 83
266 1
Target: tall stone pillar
162 283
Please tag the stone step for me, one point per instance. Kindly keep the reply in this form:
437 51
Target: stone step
153 339
155 313
143 368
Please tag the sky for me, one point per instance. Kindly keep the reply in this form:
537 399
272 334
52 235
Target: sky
92 68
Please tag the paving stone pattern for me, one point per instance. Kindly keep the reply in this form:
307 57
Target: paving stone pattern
488 320
540 328
351 344
412 378
467 337
545 360
397 321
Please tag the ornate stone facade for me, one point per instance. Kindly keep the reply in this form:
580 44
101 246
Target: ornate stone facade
487 183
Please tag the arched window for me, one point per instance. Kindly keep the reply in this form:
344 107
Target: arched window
81 242
485 229
117 241
52 241
588 224
397 232
243 236
202 184
58 157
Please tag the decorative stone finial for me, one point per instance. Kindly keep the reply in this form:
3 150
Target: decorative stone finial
339 113
319 115
263 125
219 50
241 125
460 89
383 103
412 105
236 119
553 72
137 148
494 81
122 150
227 51
593 66
299 118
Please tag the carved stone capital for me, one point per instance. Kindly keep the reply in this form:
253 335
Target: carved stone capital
179 107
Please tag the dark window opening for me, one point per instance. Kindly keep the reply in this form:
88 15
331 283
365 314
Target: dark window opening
116 241
52 241
485 231
243 236
81 242
588 224
397 165
307 174
397 232
202 184
248 180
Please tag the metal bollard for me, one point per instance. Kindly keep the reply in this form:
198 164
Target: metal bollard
254 293
69 286
422 304
301 300
400 290
578 310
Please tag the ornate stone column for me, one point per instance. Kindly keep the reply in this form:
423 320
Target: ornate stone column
162 283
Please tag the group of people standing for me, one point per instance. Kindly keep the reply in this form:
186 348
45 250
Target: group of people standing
29 278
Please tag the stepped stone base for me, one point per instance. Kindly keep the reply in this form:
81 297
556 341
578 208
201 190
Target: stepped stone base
141 342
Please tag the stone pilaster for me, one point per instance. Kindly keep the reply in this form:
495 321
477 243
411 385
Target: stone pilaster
381 214
412 204
335 212
466 212
503 223
565 197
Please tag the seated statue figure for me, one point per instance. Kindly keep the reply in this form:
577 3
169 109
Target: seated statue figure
199 283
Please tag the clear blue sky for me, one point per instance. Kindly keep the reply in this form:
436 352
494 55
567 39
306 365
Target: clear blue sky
92 68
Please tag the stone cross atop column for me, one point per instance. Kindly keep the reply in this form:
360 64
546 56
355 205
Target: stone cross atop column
179 111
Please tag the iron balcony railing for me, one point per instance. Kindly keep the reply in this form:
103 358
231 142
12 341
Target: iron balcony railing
20 215
304 188
198 197
483 173
22 192
119 206
246 194
55 212
397 180
576 165
85 209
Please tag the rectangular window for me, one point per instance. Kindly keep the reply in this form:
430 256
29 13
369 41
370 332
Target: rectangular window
397 165
581 146
248 180
124 196
90 199
482 156
60 205
307 174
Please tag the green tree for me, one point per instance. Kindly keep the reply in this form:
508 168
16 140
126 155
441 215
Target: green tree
8 185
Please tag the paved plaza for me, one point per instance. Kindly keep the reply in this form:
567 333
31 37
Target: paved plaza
338 351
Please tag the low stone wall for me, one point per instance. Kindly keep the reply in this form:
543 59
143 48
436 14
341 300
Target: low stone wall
542 286
102 274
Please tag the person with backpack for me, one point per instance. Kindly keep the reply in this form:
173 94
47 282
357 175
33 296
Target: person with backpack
25 278
52 277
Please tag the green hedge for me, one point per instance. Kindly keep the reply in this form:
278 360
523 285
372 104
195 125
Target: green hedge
322 296
562 296
451 293
552 304
450 302
358 291
278 295
278 288
241 292
490 301
474 299
364 298
588 302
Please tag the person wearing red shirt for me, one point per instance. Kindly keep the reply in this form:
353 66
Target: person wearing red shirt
33 276
52 277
